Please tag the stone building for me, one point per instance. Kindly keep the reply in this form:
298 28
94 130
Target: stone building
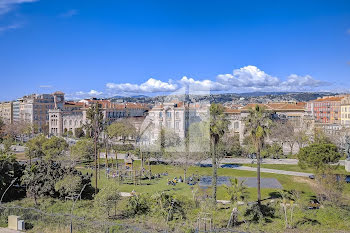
34 109
173 116
345 111
6 112
72 115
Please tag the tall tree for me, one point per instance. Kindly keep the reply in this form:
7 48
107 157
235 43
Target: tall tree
318 156
218 127
257 125
10 171
121 129
94 126
34 147
54 148
2 124
83 150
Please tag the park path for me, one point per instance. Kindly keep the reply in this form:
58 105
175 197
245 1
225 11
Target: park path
6 230
274 171
225 160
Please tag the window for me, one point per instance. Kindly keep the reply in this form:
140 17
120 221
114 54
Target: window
177 124
168 114
160 114
177 115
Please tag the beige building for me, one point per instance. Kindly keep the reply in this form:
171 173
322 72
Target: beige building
34 109
72 115
6 112
173 116
345 111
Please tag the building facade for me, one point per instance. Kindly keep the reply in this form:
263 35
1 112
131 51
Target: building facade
328 109
6 112
72 115
345 111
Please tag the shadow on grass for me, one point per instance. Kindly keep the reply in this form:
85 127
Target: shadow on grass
307 220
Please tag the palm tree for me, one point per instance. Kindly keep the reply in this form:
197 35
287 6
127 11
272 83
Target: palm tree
237 192
218 127
257 125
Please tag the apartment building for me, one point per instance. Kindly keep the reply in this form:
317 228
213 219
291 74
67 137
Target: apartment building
6 112
72 115
328 109
345 111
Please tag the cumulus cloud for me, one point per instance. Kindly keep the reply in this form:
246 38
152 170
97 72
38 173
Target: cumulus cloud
7 5
302 81
204 85
248 76
245 79
83 94
150 86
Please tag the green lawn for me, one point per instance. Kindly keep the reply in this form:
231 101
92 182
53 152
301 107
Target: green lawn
159 185
330 219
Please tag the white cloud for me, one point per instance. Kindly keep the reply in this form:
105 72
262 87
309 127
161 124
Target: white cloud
150 86
204 85
245 79
248 76
7 5
83 94
302 81
10 27
69 13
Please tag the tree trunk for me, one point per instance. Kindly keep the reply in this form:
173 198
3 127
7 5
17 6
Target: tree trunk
215 175
106 146
98 162
95 142
150 170
258 175
141 155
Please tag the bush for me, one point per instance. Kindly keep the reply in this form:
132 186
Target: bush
260 213
69 186
107 199
123 147
138 205
318 156
167 206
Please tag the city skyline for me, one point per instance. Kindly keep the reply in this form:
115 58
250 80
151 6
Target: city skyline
132 48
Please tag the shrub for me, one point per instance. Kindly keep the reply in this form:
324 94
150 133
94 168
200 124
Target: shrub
260 213
107 199
138 205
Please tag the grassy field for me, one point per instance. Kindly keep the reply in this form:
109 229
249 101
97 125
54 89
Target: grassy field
322 220
158 185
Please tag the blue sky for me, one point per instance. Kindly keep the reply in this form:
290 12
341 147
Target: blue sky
105 48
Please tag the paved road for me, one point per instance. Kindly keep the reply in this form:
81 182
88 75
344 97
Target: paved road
267 170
